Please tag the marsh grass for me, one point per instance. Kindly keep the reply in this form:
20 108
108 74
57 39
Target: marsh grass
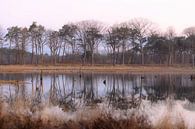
167 123
20 116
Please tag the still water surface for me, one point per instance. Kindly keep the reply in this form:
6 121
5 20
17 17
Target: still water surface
119 90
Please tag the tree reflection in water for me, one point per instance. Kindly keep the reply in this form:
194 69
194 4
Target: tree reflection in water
70 91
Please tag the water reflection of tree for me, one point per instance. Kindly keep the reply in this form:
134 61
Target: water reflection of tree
164 86
118 94
88 90
16 95
59 94
37 91
123 91
119 90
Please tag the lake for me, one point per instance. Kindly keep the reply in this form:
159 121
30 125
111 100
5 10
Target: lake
58 98
120 90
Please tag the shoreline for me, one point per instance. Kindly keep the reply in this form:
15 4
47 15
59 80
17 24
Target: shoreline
95 68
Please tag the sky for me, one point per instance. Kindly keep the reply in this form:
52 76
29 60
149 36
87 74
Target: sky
54 13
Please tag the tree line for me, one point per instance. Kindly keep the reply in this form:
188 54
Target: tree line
138 41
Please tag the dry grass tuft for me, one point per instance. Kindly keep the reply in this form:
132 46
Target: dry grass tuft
16 119
11 118
167 123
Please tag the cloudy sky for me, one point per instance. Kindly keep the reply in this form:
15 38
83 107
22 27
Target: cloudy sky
54 13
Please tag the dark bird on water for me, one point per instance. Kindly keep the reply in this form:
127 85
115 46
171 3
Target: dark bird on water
192 77
104 82
142 77
136 88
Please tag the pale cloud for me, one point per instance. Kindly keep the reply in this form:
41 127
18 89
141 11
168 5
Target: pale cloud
54 13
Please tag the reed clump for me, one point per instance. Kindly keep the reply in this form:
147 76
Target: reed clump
167 123
12 119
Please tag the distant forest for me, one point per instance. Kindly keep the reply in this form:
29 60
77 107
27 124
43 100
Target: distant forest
138 41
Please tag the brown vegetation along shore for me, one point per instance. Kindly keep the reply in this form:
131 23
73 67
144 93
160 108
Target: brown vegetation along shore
101 122
20 115
95 68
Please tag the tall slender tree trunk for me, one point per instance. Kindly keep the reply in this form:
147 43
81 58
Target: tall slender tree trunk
10 53
123 54
1 57
142 51
170 56
142 56
32 56
193 60
170 59
63 55
42 58
23 57
92 57
84 56
114 56
183 58
117 56
36 53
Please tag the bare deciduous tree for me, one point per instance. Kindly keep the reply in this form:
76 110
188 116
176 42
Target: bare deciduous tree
24 36
54 45
89 36
1 37
69 32
13 37
112 41
123 34
190 33
38 41
132 42
170 34
68 36
141 29
1 42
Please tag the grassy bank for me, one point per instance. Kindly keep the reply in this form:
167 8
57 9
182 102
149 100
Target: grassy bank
101 122
96 68
19 115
